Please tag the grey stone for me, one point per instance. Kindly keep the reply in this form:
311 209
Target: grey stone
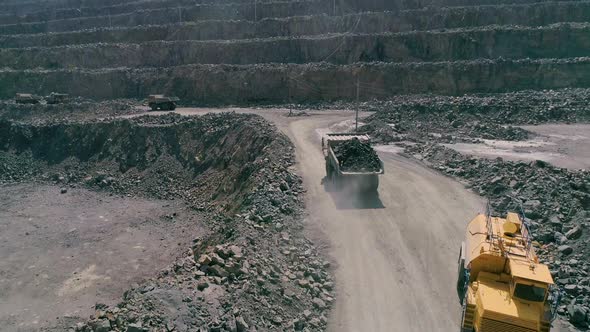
574 233
565 249
319 303
135 328
278 320
202 285
560 238
304 283
217 260
298 325
571 289
204 260
577 314
217 270
102 325
241 324
555 221
532 204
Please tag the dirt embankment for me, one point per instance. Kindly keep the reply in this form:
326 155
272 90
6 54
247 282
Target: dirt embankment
531 15
233 167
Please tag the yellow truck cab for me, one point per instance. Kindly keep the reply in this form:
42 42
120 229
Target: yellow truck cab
501 284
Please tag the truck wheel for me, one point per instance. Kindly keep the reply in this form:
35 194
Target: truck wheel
172 106
461 328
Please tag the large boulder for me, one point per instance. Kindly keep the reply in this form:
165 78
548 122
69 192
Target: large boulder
577 314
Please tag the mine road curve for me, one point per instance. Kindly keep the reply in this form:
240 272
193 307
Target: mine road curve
394 256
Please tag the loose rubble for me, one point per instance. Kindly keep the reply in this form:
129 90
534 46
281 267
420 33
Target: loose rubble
355 156
555 201
253 271
76 109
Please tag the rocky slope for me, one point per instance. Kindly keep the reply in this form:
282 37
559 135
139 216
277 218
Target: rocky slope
254 269
555 201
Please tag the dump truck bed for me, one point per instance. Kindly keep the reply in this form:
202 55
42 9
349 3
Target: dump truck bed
334 138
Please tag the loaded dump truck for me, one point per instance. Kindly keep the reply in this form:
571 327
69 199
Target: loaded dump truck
351 163
57 98
160 102
501 285
27 98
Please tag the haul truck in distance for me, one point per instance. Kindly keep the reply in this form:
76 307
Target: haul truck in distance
361 172
161 102
501 284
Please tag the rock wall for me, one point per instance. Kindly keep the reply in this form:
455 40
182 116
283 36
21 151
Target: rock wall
532 15
206 84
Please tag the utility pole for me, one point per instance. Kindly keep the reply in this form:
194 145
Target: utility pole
358 92
179 15
334 8
289 91
255 13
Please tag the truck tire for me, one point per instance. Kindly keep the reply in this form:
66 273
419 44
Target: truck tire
172 106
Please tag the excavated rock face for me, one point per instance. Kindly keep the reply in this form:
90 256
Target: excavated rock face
159 152
356 156
278 51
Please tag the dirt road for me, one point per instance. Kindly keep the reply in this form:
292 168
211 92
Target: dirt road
394 255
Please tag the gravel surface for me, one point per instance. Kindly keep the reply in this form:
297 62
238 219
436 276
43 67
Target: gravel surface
556 201
356 156
253 268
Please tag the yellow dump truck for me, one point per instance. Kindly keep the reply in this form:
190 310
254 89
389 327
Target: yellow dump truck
501 285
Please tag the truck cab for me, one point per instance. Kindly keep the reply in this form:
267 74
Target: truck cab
501 284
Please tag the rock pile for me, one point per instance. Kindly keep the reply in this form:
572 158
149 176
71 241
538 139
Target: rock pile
356 156
555 201
76 109
468 118
253 271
